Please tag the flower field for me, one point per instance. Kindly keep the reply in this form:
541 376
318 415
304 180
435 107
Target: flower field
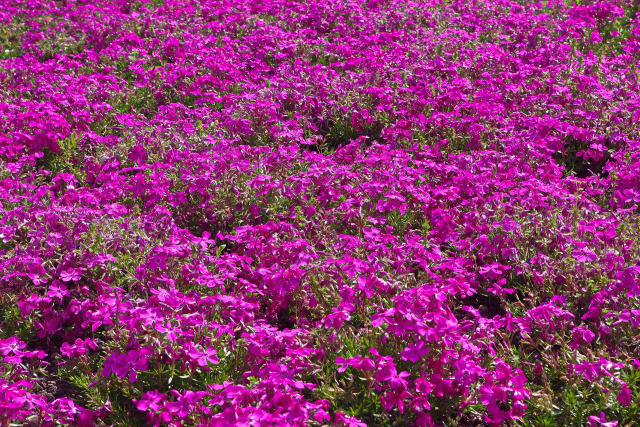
335 212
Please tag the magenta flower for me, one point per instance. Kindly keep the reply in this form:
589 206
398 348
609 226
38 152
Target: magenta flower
71 274
601 421
11 345
123 364
202 358
624 396
582 335
414 352
584 255
78 348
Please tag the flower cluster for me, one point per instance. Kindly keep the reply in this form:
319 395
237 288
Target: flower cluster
332 212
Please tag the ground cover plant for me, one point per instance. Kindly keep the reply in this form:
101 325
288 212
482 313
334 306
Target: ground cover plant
382 212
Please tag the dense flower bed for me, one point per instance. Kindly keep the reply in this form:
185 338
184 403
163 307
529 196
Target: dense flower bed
383 212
